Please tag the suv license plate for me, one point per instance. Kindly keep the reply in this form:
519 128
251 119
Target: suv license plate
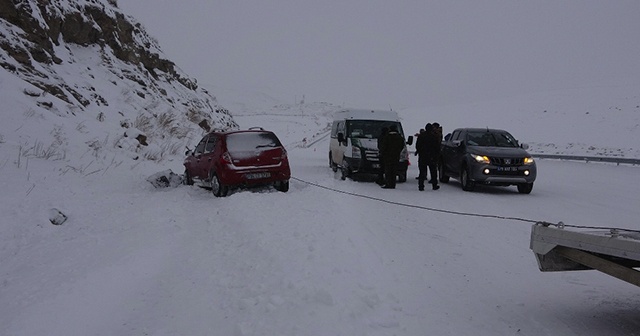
255 176
508 169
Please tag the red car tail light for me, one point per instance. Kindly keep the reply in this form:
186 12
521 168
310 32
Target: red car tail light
225 158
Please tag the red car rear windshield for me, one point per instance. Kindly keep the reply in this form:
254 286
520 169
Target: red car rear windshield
251 142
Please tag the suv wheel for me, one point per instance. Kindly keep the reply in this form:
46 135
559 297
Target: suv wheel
443 178
465 180
525 188
217 188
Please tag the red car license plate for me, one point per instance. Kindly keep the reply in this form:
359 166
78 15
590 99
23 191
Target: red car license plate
255 176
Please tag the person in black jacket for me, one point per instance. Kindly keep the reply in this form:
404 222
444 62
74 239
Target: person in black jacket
383 133
390 150
433 142
428 149
421 151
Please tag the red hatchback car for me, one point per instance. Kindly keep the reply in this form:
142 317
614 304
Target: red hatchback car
225 160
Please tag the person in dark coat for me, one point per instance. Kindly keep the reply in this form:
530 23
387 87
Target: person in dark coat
433 142
392 146
421 151
383 133
438 130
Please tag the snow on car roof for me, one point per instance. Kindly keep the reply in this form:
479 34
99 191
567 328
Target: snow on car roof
363 114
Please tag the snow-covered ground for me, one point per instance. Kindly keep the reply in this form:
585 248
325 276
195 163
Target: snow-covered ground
329 257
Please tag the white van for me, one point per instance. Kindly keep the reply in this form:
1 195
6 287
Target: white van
354 142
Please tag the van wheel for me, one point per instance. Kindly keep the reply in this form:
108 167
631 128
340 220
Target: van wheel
346 172
217 188
465 180
332 164
525 188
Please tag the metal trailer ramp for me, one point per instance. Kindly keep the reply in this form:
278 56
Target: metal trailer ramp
611 251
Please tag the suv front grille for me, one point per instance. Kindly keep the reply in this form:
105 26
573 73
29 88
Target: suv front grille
506 161
508 173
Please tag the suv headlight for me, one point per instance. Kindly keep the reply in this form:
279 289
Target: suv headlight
481 158
528 160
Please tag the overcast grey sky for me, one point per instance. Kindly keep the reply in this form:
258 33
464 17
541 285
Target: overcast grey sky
372 53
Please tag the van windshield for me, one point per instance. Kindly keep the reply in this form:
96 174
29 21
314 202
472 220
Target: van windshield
369 129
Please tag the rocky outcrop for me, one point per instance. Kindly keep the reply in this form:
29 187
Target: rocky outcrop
45 24
90 57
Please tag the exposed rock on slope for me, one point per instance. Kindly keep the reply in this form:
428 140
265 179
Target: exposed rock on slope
87 63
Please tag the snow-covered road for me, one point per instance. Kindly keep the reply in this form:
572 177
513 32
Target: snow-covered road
132 260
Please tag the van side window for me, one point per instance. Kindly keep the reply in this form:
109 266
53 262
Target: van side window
341 128
334 129
337 127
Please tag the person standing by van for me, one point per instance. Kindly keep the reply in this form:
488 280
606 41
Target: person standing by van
392 146
383 133
421 151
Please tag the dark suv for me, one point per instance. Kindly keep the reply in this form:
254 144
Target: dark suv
486 156
224 160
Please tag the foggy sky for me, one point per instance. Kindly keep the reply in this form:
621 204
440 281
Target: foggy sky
372 53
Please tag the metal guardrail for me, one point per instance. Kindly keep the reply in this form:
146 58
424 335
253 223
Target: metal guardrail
586 158
612 159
